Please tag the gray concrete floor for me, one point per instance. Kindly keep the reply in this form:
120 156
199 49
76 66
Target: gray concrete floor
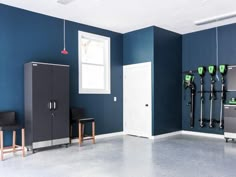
127 156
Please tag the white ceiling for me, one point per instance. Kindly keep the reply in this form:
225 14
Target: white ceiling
128 15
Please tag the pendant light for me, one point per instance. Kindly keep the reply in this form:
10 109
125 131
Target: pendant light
64 51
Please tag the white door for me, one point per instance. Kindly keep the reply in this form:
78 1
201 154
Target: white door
137 99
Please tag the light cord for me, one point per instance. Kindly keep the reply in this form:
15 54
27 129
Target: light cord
64 34
217 53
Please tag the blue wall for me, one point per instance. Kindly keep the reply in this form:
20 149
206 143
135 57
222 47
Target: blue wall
199 48
138 46
168 83
27 36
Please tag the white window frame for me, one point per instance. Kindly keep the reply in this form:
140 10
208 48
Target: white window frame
107 65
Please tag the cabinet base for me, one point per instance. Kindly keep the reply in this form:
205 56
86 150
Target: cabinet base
230 135
54 142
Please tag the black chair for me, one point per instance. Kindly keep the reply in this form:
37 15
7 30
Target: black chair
77 115
8 123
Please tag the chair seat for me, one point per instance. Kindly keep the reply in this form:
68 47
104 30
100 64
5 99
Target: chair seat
82 120
85 120
10 127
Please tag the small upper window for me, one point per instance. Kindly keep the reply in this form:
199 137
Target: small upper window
94 63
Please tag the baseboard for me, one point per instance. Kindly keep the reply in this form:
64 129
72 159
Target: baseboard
166 135
108 135
210 135
102 136
184 132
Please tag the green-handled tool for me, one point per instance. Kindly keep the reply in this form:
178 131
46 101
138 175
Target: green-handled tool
201 73
189 83
223 71
212 72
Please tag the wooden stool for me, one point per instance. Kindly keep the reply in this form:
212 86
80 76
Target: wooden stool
77 115
8 123
81 124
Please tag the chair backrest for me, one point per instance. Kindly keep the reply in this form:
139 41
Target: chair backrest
7 118
77 113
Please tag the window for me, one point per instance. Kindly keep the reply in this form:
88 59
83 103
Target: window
94 63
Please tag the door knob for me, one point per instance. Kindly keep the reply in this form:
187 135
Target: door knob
146 105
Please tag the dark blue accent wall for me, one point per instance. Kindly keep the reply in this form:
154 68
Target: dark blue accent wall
27 36
167 84
199 48
138 46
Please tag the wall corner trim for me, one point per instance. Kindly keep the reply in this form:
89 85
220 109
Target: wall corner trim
210 135
166 135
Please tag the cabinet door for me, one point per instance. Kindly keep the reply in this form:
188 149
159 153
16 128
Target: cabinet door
61 108
42 93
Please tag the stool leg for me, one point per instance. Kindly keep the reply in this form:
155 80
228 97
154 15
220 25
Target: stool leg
70 133
93 131
14 141
80 133
1 138
23 141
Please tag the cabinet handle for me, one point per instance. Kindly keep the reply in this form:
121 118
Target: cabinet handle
55 105
50 105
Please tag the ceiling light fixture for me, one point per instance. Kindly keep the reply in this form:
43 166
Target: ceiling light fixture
64 2
215 19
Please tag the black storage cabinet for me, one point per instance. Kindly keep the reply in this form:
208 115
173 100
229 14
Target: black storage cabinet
230 122
46 104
